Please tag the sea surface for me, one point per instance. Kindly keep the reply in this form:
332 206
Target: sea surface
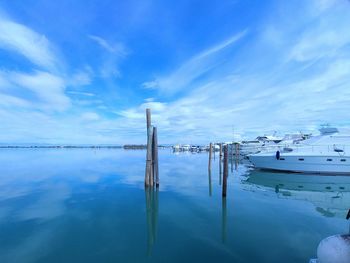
86 205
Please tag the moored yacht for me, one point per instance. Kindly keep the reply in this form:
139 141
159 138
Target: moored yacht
267 143
327 153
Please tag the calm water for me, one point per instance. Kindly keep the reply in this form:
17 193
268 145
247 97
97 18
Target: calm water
91 206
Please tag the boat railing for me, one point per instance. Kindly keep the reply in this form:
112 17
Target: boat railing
320 148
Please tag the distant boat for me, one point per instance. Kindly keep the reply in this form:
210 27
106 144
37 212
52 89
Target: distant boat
327 153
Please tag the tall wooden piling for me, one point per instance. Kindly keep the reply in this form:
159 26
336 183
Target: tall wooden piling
152 172
224 184
155 157
149 161
210 153
220 164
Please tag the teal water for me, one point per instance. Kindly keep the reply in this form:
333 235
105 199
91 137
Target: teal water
83 205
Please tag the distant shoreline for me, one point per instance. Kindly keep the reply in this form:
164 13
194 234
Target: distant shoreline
126 147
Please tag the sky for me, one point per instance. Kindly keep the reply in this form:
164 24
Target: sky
83 72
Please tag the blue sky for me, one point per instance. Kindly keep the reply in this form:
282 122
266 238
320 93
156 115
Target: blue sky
84 71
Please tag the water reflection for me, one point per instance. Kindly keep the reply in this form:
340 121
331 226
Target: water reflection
220 169
210 185
224 220
151 194
329 194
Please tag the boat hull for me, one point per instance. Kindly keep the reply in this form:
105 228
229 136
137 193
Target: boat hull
304 164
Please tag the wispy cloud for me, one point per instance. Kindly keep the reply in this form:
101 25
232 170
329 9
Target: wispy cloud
21 39
115 48
195 67
47 87
110 62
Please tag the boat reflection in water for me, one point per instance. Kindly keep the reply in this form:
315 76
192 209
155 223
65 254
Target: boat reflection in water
330 194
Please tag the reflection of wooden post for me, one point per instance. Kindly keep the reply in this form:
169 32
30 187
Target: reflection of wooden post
231 160
224 185
210 152
148 192
210 188
151 216
155 156
224 221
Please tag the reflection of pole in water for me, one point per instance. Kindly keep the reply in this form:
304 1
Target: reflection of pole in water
237 155
224 221
152 216
232 156
347 218
209 177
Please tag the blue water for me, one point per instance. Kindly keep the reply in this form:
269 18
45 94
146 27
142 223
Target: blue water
83 205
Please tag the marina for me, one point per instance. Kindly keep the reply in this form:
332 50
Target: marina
79 201
174 131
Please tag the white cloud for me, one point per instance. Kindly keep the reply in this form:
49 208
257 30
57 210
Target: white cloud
150 84
81 77
110 61
115 48
47 87
12 101
195 67
88 94
90 116
35 47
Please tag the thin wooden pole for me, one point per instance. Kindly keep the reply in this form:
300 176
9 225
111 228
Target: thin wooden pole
148 172
224 184
210 152
150 158
220 164
237 155
155 156
214 150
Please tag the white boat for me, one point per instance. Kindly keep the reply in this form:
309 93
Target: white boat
268 142
327 153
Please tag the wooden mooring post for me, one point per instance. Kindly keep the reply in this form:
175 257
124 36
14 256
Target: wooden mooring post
155 157
152 172
210 153
224 184
220 164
